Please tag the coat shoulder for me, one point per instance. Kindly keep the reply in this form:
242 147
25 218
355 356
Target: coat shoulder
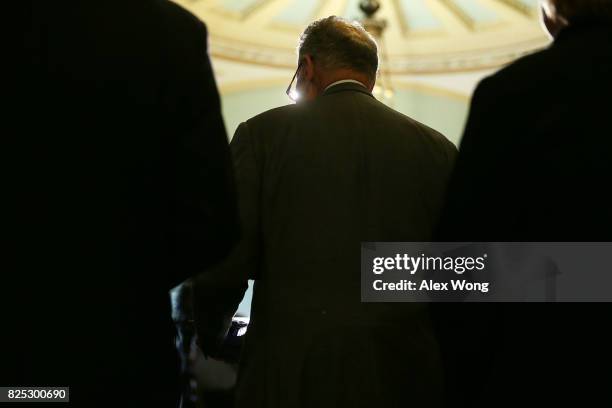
180 18
274 117
426 132
525 71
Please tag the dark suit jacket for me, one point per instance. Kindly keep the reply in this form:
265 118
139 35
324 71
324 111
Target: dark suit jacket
119 186
535 164
314 180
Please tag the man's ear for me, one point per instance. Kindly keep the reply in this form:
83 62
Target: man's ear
309 69
371 85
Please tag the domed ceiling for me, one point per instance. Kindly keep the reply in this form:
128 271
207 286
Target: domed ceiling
422 36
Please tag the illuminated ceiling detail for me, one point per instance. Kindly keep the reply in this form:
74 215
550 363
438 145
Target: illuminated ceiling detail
529 7
415 15
298 13
239 9
423 36
473 13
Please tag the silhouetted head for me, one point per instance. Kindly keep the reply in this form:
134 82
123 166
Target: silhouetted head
333 49
558 14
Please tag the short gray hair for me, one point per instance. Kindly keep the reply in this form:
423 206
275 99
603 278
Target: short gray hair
336 43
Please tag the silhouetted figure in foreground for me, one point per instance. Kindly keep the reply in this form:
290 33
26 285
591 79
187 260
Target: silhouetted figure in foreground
121 187
535 164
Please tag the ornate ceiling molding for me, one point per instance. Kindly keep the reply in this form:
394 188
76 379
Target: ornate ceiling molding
423 36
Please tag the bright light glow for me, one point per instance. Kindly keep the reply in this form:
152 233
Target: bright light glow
294 95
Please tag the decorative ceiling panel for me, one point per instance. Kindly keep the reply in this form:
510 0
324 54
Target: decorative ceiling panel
422 36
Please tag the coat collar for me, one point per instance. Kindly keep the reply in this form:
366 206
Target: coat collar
347 86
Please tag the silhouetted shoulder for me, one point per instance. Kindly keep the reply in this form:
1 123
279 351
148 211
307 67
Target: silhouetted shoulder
276 116
430 132
424 131
180 20
576 49
522 73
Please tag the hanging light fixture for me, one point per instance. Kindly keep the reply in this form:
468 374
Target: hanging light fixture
383 90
